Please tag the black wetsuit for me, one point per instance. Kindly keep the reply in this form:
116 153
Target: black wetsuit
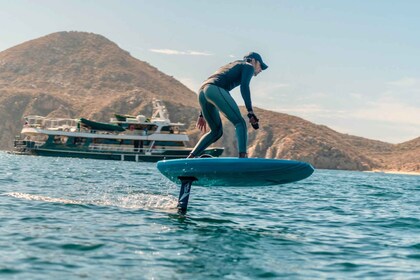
214 96
232 75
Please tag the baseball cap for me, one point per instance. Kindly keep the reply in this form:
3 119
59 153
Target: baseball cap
257 57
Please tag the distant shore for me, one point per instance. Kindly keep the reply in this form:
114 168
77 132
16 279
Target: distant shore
395 172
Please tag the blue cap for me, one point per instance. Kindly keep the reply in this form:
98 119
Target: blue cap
257 57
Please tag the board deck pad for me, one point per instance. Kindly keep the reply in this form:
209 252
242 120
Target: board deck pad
229 171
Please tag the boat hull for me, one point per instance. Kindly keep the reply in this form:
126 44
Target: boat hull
116 155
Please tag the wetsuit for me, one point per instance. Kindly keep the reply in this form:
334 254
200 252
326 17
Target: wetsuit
214 96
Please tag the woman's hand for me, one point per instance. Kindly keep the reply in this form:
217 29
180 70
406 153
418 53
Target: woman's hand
253 120
201 124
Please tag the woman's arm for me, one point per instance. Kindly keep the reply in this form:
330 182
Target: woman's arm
247 73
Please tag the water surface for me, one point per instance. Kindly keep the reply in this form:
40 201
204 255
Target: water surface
78 218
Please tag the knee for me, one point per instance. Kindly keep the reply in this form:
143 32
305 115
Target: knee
218 135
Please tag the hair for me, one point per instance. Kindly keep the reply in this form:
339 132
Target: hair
248 59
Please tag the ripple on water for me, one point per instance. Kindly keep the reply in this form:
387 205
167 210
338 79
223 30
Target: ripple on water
72 218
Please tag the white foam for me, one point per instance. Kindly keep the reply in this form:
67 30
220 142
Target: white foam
136 201
27 196
141 201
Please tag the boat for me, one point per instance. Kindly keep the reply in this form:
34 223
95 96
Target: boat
125 137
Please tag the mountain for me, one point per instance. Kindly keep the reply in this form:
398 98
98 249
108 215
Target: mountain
74 74
404 157
79 74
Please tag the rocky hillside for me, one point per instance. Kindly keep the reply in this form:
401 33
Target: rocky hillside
74 74
77 74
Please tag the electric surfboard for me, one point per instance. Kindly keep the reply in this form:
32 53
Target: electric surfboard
235 171
230 172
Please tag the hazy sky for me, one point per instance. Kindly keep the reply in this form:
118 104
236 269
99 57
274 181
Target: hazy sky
351 65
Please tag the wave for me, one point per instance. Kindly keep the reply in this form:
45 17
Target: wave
131 201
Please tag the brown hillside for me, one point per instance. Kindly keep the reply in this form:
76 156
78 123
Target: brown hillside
83 65
81 74
406 157
78 74
295 138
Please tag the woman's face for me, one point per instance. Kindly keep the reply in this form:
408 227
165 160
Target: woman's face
257 67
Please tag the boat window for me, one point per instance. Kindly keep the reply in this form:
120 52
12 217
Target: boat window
167 130
98 140
170 143
79 140
57 139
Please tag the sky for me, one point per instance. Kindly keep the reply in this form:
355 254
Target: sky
353 66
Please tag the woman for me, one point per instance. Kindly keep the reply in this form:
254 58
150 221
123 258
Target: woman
214 96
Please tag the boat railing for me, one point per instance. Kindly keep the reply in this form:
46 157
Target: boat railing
51 123
101 147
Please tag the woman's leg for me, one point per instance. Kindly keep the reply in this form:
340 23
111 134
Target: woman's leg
212 116
227 105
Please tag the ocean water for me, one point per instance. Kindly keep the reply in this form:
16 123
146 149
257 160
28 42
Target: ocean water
89 219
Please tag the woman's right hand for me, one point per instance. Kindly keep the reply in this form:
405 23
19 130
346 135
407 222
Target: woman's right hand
253 120
201 124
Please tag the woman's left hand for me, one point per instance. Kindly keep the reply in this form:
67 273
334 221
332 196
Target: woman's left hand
201 124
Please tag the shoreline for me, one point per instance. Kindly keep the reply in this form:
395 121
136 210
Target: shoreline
395 172
413 173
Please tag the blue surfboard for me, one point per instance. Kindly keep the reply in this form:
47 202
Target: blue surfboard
235 171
